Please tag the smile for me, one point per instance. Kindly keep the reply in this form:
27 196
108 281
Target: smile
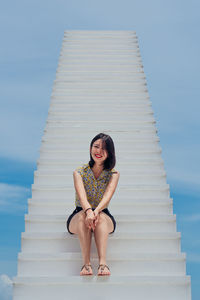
98 156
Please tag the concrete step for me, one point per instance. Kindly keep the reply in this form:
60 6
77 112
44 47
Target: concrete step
123 173
56 179
125 223
103 51
101 57
60 206
129 165
142 106
100 76
56 164
120 149
120 138
92 41
112 287
115 125
86 45
59 143
70 167
87 135
70 104
134 62
131 264
108 98
94 130
131 191
100 40
108 56
62 118
144 242
101 93
111 72
84 155
99 33
101 81
64 145
130 87
113 68
83 55
65 107
82 33
85 75
99 47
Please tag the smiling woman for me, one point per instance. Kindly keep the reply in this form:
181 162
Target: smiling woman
95 184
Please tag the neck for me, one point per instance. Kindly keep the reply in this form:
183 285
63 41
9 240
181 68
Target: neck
97 167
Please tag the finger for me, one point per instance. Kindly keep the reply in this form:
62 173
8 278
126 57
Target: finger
93 226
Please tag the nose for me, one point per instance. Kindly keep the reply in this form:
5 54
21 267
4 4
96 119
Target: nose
100 151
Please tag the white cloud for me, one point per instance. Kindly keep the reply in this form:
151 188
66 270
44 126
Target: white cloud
12 197
5 287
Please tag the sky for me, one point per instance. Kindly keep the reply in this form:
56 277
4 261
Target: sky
31 39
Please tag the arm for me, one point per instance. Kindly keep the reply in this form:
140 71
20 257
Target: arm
110 189
80 189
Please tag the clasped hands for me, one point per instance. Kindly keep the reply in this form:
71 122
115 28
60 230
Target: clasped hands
92 218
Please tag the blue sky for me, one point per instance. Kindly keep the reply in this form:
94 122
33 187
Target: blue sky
31 39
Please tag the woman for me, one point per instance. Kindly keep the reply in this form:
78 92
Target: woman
95 183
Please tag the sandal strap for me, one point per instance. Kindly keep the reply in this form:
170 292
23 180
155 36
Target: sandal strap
86 266
103 267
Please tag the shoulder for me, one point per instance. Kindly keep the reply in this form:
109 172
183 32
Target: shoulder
114 172
81 169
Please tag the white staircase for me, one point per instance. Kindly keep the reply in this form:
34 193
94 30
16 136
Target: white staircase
100 86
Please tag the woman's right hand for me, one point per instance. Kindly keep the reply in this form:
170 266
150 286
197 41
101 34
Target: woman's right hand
89 219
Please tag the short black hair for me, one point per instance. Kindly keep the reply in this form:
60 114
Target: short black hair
108 144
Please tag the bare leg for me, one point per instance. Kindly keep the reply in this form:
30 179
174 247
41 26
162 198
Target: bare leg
101 232
77 226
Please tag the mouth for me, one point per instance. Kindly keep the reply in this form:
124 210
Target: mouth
98 156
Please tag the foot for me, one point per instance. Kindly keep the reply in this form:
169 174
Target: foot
103 270
86 270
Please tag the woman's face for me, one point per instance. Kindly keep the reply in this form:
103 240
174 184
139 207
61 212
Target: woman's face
98 153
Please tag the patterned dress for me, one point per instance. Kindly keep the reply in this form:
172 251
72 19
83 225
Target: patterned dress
94 188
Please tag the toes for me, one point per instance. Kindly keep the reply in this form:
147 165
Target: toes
86 271
103 270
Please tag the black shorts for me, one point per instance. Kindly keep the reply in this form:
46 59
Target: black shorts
78 208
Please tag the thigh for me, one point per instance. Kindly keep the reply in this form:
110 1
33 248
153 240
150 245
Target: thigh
78 217
109 222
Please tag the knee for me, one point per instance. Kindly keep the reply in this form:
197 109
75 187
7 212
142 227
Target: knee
81 223
102 221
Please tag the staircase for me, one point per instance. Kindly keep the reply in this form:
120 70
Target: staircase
100 86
